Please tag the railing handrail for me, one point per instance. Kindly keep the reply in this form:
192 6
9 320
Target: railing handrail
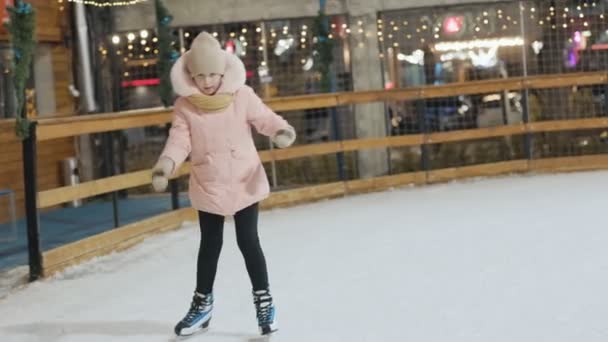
52 128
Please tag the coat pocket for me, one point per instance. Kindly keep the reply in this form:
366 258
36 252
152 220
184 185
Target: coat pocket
245 164
204 170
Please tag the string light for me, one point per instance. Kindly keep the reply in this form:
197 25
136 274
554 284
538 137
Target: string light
107 3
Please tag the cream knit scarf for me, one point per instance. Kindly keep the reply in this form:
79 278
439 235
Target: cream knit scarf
214 103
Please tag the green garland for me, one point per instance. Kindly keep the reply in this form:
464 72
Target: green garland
323 47
21 27
166 54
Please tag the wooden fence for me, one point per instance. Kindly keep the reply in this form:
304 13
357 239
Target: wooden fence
48 129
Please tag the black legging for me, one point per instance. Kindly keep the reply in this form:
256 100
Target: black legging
212 232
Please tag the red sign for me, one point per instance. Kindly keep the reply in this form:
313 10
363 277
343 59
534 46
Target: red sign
453 24
3 5
4 13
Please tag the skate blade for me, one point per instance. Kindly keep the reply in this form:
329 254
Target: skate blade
263 338
203 329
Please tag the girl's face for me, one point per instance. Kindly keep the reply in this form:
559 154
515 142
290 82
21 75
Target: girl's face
208 84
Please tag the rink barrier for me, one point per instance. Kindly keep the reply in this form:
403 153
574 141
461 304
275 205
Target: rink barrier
49 198
125 236
53 128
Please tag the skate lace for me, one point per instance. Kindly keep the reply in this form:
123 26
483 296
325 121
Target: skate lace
263 303
197 305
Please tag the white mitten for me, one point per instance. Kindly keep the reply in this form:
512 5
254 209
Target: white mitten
161 173
284 137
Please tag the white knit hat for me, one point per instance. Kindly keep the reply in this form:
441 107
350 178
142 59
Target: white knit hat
206 56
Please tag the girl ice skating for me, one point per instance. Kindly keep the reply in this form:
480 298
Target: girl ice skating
212 124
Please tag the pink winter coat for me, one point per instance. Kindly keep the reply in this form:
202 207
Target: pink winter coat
227 174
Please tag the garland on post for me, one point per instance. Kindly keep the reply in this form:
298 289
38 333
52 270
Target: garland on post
323 47
166 53
21 27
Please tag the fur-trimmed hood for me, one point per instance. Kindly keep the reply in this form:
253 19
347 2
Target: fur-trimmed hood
234 76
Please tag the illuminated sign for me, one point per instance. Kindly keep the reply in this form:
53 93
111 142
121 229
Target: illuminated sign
453 24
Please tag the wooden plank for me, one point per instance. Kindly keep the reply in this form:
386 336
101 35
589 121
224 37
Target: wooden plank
183 170
470 88
371 96
265 156
483 170
127 236
136 113
477 133
54 148
124 120
565 125
97 187
372 143
9 138
305 151
302 102
308 194
66 194
113 240
385 182
106 124
565 80
570 164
